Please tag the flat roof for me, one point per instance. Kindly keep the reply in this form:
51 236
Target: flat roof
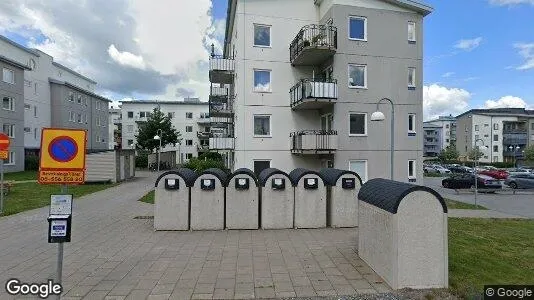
14 63
512 112
176 102
13 43
78 89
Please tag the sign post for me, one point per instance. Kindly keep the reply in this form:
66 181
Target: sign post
4 154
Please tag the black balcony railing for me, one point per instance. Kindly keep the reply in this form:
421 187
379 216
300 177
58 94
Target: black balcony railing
314 140
514 130
217 108
203 134
316 36
313 89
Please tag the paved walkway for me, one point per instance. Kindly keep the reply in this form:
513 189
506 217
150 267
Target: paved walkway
114 256
485 214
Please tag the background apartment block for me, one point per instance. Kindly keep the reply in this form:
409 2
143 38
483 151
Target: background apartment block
190 117
505 131
308 75
432 138
114 127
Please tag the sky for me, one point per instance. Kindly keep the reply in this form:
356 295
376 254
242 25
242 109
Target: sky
478 53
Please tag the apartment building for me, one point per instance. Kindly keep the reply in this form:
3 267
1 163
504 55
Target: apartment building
12 112
448 125
432 137
298 81
39 80
114 127
190 117
501 133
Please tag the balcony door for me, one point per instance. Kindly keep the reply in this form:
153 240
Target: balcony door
327 122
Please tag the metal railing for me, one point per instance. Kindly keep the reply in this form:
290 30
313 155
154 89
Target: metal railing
314 140
221 63
313 88
219 91
221 107
515 130
203 134
313 35
222 143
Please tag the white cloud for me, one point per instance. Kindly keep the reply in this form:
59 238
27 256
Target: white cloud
439 100
126 58
468 44
527 52
506 102
511 2
448 74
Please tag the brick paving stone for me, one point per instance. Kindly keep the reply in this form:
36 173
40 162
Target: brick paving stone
181 294
305 291
159 297
113 298
223 293
160 289
263 282
105 285
344 290
204 288
138 294
95 295
360 284
366 291
285 294
79 291
202 296
264 292
121 290
327 293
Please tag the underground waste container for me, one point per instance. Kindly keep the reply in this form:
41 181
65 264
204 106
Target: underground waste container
242 200
171 199
276 199
207 200
342 187
310 198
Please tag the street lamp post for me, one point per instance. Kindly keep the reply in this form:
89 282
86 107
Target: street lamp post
379 116
159 137
476 165
514 149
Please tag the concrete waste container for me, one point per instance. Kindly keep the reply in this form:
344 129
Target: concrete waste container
171 199
310 198
342 189
402 234
207 200
242 200
276 199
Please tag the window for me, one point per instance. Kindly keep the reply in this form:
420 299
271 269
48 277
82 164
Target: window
130 128
79 118
8 103
357 76
97 121
411 77
97 138
97 105
11 158
188 128
130 114
170 115
477 136
35 111
447 133
71 116
27 83
262 80
142 114
35 133
27 106
188 155
130 142
189 115
204 115
411 32
357 124
447 126
27 130
260 165
70 97
495 137
262 125
476 127
79 99
495 148
189 142
85 118
486 125
447 140
262 35
411 122
8 76
486 135
411 169
360 168
9 129
532 126
358 28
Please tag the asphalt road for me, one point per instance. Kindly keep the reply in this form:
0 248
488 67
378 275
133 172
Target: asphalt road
521 204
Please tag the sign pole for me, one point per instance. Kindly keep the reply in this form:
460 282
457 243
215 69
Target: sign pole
1 186
60 250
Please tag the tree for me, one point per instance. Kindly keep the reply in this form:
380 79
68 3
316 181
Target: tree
449 153
529 153
147 130
475 154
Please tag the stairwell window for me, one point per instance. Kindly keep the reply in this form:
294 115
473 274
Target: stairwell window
189 142
262 35
189 115
262 81
8 103
357 76
411 122
411 32
11 158
357 124
262 126
8 76
188 128
495 148
357 28
9 130
411 169
411 77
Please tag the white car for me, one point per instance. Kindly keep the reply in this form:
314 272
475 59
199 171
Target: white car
441 169
518 171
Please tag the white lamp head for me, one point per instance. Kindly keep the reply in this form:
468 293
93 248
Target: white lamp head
378 116
156 137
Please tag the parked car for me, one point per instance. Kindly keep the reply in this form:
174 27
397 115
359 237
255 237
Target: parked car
495 173
520 181
516 171
465 181
441 169
460 169
429 169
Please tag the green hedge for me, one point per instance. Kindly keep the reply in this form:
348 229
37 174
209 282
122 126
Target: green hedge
200 165
141 160
31 163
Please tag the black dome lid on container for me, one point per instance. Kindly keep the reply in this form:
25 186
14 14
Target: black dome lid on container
387 194
220 174
298 173
331 175
265 174
188 175
243 171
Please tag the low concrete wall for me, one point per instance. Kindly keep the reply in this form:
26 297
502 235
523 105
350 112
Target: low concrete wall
277 206
242 206
310 204
207 207
343 203
171 207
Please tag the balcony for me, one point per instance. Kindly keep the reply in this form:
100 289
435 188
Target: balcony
313 45
223 121
219 94
516 154
515 138
221 69
203 148
314 142
222 109
514 130
313 94
203 134
222 143
204 120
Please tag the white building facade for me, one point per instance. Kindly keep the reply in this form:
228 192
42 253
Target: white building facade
448 130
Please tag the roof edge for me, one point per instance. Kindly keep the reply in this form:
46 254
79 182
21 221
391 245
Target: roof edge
72 71
73 86
14 63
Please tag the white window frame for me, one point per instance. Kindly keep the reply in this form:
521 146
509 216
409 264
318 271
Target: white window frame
128 115
476 128
364 28
270 35
414 38
414 169
79 99
27 106
70 97
11 130
98 139
270 126
414 83
79 118
187 114
11 160
11 103
12 75
270 80
366 178
186 143
366 127
413 122
188 127
495 126
364 77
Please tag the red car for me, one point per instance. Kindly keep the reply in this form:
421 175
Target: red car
495 173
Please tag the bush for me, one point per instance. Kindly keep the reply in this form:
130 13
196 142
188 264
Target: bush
141 160
211 156
200 165
31 163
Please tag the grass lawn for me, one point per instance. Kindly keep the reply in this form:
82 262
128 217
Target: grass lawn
148 198
489 251
20 176
452 204
26 196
